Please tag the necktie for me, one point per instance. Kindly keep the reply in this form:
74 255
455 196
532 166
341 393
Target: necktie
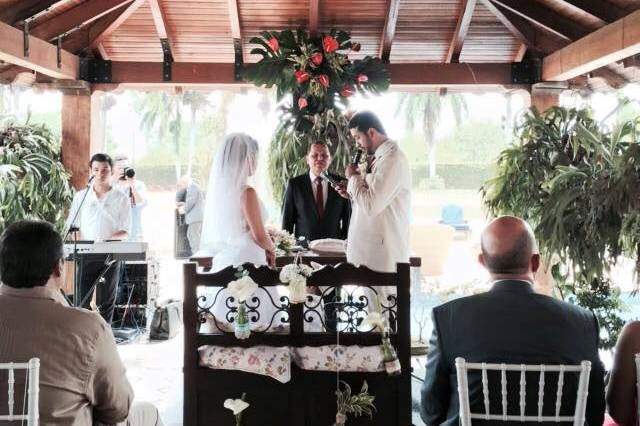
319 196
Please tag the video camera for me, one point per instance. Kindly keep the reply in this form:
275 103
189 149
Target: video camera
127 172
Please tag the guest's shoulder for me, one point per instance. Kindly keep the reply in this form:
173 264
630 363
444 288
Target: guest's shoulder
81 321
299 178
461 302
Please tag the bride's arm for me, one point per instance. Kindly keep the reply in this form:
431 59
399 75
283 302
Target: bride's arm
251 210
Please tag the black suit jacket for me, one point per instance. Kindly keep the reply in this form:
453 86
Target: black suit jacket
511 324
300 216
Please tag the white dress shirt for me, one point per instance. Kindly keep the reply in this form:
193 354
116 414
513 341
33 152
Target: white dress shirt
325 188
381 203
100 218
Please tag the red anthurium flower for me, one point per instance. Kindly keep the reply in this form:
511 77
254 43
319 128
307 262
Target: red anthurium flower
346 91
302 103
301 76
362 78
316 58
273 44
329 44
324 80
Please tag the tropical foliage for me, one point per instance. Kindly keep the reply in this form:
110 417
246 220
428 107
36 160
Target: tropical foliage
578 185
357 404
425 110
33 181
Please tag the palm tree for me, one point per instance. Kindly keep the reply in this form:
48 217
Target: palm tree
162 116
196 101
425 109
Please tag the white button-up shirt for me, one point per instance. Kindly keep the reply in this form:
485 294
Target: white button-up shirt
325 188
100 218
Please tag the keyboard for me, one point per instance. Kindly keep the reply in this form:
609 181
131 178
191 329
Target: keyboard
121 250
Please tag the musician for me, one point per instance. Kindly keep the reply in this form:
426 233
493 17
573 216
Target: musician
105 215
312 208
126 181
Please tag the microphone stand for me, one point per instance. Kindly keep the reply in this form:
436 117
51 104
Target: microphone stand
72 228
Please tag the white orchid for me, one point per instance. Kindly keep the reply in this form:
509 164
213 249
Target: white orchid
235 405
242 288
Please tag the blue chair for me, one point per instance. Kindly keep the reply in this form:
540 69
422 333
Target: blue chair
453 215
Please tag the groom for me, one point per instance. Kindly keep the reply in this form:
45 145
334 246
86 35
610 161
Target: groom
380 198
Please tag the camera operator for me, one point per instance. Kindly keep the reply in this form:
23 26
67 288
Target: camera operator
133 188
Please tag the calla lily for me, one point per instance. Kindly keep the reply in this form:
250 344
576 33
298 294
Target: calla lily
242 288
376 320
236 405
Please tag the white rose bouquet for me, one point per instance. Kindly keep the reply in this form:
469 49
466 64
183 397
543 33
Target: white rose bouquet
242 289
296 274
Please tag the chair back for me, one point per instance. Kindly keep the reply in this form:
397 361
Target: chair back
452 214
638 389
432 243
32 388
466 415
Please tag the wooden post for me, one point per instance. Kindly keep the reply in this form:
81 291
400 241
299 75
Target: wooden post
546 95
76 136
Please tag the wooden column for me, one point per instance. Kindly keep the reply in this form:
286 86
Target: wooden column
76 136
544 96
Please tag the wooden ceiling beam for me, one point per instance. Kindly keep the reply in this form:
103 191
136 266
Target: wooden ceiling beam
546 19
424 74
314 17
43 56
389 30
603 10
609 44
25 9
115 24
236 34
460 33
523 30
78 16
612 78
522 50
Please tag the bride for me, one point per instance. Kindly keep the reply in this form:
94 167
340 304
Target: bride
233 227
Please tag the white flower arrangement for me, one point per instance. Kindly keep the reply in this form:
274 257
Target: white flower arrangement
375 320
296 274
282 239
237 406
242 288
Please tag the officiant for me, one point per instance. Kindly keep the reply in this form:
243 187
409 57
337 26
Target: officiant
312 208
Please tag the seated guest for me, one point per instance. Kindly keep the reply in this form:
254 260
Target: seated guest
105 215
509 324
622 398
82 379
312 208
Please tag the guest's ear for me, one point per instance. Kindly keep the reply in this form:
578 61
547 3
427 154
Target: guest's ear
481 260
535 263
58 270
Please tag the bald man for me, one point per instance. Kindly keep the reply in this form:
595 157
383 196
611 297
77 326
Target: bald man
512 324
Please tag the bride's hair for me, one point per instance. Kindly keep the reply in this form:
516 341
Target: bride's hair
223 222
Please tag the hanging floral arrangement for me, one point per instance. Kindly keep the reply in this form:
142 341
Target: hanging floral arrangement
317 71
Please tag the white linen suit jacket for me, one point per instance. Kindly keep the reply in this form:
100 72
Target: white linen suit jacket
381 202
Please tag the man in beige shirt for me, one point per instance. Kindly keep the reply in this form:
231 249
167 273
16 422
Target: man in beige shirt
82 379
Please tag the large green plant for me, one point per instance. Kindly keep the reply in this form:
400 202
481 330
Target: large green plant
578 185
33 181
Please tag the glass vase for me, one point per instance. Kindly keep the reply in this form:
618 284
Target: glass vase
242 328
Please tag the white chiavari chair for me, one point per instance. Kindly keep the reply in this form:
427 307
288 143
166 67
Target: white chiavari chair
32 389
463 391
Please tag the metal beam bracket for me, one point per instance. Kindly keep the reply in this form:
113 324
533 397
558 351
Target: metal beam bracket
95 70
529 71
25 38
167 59
238 60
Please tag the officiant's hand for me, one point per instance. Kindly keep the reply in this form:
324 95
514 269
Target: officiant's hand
341 189
351 170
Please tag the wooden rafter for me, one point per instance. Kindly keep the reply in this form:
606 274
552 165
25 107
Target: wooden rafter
113 26
43 56
545 18
78 16
522 50
25 9
607 45
455 47
612 78
606 11
389 31
314 16
160 22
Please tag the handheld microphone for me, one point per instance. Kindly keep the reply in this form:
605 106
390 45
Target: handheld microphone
91 178
355 158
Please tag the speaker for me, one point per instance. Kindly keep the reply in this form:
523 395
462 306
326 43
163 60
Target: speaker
137 294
